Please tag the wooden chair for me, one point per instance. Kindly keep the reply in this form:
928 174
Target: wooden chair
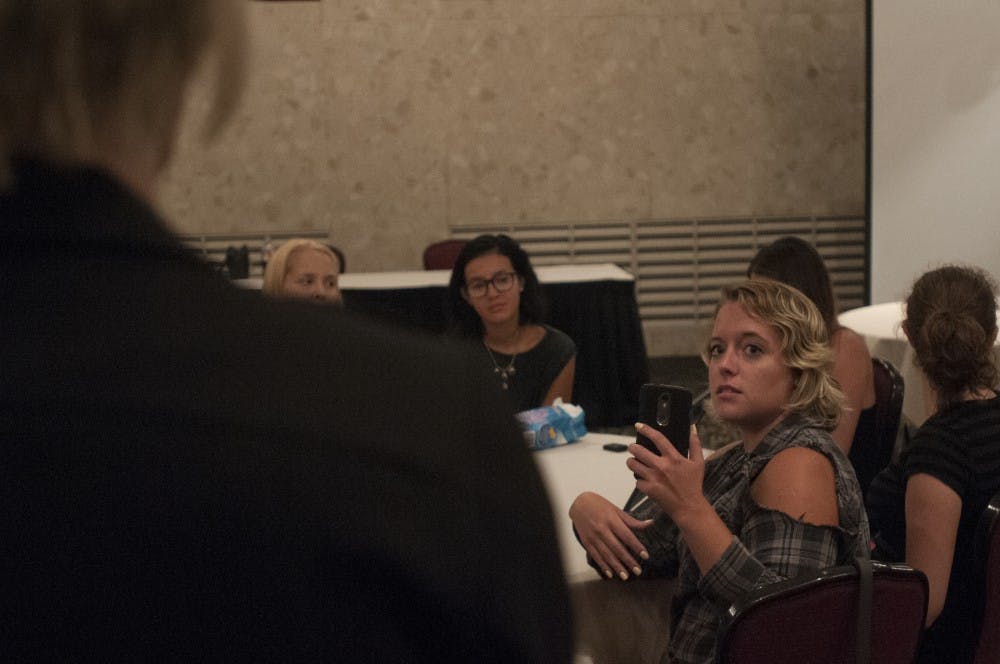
987 555
817 618
872 446
442 255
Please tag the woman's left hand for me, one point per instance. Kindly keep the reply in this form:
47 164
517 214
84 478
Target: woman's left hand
673 481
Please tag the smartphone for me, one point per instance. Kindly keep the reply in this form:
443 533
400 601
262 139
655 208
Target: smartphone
666 408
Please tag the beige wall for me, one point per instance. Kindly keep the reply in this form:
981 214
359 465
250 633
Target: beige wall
385 121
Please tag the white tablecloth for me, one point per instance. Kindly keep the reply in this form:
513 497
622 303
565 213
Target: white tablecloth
881 327
616 621
547 274
568 471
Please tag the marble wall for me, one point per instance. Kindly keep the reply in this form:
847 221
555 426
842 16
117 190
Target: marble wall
386 121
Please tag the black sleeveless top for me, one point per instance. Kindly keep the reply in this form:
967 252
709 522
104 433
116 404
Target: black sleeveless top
867 454
534 370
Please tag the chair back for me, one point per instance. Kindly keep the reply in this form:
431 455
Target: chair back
814 618
442 255
238 262
987 556
874 440
340 257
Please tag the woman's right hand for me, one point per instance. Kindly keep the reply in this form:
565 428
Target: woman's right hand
606 533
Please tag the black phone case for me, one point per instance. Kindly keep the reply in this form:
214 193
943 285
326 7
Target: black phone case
675 423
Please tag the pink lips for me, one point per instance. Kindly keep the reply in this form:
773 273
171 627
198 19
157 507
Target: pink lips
726 389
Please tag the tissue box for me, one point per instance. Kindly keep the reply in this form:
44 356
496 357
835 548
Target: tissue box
552 425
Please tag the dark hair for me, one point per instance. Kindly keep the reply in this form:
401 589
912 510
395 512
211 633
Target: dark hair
951 321
464 319
795 262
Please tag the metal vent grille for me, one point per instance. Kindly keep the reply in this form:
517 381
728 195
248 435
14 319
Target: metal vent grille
680 264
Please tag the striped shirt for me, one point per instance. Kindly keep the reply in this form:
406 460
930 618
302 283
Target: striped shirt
959 446
768 546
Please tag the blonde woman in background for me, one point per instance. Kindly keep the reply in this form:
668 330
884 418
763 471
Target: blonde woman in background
303 268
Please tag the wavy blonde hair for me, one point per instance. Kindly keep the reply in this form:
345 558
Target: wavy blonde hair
805 344
80 77
277 266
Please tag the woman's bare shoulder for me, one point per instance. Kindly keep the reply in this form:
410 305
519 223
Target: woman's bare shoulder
850 348
799 481
847 339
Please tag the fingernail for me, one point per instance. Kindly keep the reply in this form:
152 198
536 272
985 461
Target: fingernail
638 426
607 573
637 570
644 555
623 575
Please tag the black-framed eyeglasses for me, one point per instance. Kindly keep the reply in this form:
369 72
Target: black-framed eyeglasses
502 282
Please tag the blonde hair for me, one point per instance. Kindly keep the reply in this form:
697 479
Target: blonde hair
805 344
277 267
78 77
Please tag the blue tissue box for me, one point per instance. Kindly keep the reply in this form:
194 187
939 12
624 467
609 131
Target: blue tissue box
550 426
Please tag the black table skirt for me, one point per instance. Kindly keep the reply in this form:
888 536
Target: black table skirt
602 318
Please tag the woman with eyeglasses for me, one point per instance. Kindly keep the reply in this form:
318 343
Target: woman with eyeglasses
495 298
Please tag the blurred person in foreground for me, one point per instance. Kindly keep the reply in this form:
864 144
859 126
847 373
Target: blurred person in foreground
926 505
781 502
169 494
306 269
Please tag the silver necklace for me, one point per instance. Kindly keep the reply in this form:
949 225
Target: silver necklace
504 372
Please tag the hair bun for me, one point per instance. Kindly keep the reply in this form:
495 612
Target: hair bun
954 345
946 328
951 320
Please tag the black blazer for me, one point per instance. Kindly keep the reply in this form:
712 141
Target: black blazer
190 471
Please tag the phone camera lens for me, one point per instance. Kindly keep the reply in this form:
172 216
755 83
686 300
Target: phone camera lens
663 410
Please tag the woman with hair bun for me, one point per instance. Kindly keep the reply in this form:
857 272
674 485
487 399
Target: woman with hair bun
925 507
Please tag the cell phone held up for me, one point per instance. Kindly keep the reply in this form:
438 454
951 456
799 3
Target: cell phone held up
667 409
